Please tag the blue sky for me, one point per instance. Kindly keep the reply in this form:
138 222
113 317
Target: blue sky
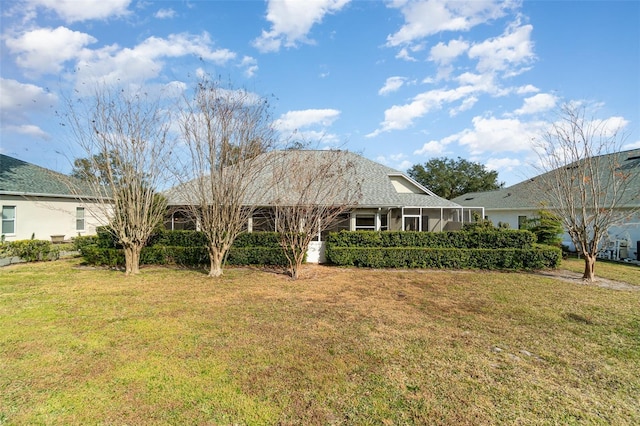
398 81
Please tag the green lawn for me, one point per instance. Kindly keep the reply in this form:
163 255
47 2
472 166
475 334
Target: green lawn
605 269
340 346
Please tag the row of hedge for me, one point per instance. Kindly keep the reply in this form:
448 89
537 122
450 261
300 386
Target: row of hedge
185 256
106 239
475 239
184 248
537 257
30 250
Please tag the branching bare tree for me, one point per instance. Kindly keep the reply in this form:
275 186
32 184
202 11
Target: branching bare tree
311 189
224 132
585 180
124 136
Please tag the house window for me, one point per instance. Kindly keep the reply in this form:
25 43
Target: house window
522 222
412 223
365 223
8 220
79 218
340 223
263 221
411 219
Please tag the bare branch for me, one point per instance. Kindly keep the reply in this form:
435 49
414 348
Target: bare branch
125 136
583 179
224 132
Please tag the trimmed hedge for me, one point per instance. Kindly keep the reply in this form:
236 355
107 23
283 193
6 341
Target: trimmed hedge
186 248
538 257
32 250
472 249
490 239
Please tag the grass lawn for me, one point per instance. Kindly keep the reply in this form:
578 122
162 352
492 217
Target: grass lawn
340 346
606 269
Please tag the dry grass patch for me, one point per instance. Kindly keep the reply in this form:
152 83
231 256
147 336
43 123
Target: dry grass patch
340 346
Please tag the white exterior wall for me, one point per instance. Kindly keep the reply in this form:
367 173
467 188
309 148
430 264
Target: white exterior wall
47 216
509 216
628 231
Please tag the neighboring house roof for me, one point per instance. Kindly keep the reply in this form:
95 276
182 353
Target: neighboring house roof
18 177
381 186
525 196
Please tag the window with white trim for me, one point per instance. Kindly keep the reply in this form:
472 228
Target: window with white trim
8 220
365 222
79 218
411 219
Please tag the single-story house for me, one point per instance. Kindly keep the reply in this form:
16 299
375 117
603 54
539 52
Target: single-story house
518 203
390 200
38 202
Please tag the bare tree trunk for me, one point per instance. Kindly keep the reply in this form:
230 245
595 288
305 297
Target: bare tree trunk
589 267
132 259
215 261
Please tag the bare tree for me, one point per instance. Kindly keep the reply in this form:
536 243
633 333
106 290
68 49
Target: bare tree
124 136
584 179
311 189
224 132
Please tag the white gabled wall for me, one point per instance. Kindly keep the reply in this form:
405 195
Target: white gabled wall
403 186
43 217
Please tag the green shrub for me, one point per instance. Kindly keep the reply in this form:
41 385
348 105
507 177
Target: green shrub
33 250
490 238
80 242
538 257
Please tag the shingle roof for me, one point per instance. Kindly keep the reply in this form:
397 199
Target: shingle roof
524 195
377 188
20 177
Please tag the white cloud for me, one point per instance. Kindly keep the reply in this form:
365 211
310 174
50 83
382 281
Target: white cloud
145 61
74 11
524 90
309 126
400 117
405 55
28 130
250 66
165 13
391 85
503 164
631 145
508 53
466 105
291 21
537 103
427 17
18 98
491 134
445 53
431 148
295 120
18 102
45 50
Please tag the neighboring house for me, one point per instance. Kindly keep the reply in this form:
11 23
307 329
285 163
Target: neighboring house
390 200
37 202
518 203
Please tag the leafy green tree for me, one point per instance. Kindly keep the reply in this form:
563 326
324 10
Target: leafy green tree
450 178
547 227
97 167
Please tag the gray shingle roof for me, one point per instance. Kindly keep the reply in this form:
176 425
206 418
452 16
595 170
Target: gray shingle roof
377 187
524 195
20 177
